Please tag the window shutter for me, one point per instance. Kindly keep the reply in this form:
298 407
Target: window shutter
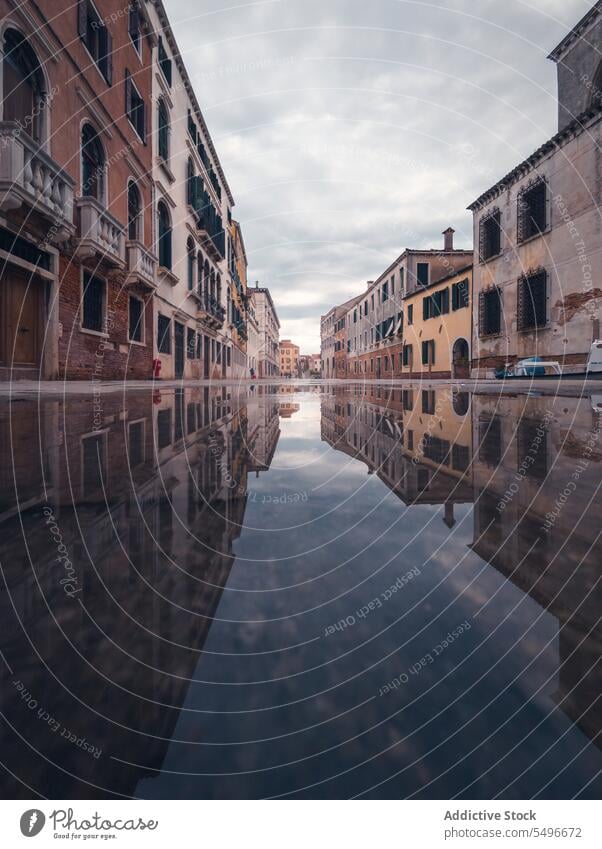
134 21
425 308
82 18
142 127
108 56
455 296
445 304
482 328
128 93
432 359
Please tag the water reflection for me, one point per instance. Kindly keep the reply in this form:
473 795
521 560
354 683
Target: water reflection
205 594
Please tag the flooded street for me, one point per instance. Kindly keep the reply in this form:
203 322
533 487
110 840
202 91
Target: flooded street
301 591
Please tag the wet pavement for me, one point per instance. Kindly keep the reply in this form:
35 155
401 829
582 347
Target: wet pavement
301 590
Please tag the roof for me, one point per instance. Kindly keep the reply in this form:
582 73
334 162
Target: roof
587 119
263 290
576 32
189 90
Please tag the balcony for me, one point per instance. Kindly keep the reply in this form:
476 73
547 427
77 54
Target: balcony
141 265
211 311
30 178
101 237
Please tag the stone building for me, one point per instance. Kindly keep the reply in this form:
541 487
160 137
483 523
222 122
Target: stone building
76 232
438 329
327 344
237 301
268 352
289 359
537 231
191 210
377 323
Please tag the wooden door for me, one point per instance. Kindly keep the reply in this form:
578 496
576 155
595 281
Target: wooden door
20 319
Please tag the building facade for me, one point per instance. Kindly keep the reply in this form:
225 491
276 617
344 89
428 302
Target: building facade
237 307
119 255
268 349
537 231
191 209
289 359
76 232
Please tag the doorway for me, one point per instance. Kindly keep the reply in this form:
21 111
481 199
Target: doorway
179 349
460 359
20 321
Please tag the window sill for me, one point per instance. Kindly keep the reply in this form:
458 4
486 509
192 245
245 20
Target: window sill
534 329
533 237
168 274
135 129
95 63
99 333
168 172
492 258
139 344
491 335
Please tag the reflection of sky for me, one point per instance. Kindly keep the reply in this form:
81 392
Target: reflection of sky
314 699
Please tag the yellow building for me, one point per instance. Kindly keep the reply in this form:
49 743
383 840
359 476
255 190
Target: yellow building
289 359
237 300
438 328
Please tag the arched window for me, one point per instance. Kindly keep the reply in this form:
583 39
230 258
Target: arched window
212 286
190 175
134 212
163 129
93 164
164 230
218 291
23 87
190 260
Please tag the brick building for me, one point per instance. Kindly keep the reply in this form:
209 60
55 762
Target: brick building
75 192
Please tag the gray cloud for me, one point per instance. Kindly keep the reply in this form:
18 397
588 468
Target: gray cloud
349 130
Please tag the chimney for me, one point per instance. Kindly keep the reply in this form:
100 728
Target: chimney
448 239
370 282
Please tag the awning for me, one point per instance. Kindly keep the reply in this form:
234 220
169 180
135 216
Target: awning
399 325
389 330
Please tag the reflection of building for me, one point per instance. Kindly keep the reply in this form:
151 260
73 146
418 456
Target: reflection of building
289 359
263 429
268 355
537 231
532 457
417 441
287 410
236 310
129 512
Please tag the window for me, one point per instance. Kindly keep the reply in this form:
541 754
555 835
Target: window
163 130
134 213
94 466
93 303
134 27
532 301
428 352
164 428
490 312
436 304
532 211
428 401
190 343
164 236
401 280
93 164
385 292
460 295
23 85
410 314
407 400
134 107
136 327
532 449
422 273
96 37
490 235
407 355
393 285
164 61
190 257
490 440
163 334
136 444
190 183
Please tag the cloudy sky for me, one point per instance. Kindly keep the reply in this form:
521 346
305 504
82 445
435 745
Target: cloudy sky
350 129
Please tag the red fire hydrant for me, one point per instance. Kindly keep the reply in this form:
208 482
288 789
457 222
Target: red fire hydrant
157 369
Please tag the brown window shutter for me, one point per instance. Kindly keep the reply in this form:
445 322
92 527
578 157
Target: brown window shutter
109 57
128 93
82 18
